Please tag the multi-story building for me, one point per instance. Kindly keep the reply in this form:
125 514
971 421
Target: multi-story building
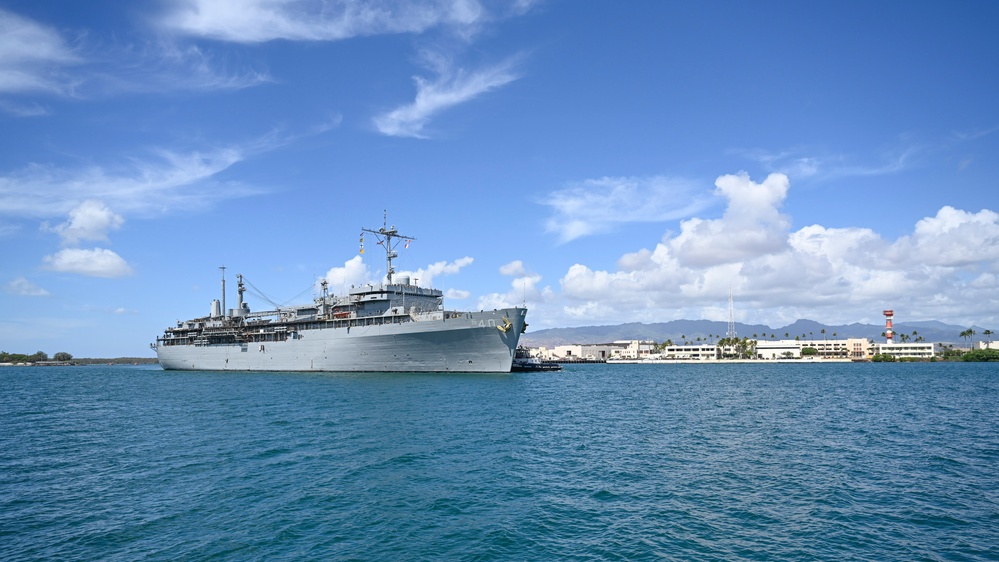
907 350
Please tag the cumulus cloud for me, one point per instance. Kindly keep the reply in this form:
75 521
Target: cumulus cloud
457 294
353 273
515 267
599 205
946 268
752 224
90 220
98 262
356 273
524 287
425 276
449 88
23 287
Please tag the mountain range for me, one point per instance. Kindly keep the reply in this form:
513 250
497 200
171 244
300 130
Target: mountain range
708 330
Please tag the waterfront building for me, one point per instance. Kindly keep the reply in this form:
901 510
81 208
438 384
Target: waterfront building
907 350
692 352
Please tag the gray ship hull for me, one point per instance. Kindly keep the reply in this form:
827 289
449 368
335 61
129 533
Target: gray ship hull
473 342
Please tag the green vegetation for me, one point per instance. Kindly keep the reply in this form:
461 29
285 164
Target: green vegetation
41 356
809 351
981 355
884 358
22 358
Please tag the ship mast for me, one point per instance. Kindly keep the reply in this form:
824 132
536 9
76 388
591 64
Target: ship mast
385 236
224 313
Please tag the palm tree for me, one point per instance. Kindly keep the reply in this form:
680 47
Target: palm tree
967 334
988 335
786 335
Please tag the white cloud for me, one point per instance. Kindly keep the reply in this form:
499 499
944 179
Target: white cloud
599 205
254 21
36 60
457 294
167 181
515 267
945 269
451 87
23 287
99 262
32 57
90 220
751 226
797 164
168 66
425 276
954 238
525 288
353 273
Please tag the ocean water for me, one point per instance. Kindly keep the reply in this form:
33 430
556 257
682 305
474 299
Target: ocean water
597 462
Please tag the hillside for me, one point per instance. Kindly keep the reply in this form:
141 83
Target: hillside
707 330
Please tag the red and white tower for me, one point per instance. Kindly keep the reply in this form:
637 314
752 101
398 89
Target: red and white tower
889 314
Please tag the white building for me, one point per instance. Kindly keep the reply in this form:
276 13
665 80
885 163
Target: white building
907 350
690 352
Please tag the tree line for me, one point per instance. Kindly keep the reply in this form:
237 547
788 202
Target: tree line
36 357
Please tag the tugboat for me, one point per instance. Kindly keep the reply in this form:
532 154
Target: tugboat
523 362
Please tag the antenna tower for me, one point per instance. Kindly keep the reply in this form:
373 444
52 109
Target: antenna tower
731 317
385 236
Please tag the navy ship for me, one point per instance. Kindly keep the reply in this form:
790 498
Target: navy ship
395 326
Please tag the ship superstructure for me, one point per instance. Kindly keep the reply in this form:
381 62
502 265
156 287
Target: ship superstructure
392 326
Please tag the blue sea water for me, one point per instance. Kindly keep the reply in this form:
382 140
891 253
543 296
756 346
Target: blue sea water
597 462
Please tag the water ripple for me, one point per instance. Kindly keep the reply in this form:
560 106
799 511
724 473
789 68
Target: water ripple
727 462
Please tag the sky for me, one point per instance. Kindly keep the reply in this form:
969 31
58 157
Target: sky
599 162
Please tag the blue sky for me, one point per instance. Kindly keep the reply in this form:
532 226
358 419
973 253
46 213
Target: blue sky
604 162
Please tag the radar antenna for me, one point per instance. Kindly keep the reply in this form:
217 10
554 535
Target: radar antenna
388 237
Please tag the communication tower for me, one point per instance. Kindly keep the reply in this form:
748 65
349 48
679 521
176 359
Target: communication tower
731 317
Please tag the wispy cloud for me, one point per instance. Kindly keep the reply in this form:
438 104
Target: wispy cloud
450 87
168 65
36 60
161 182
599 205
800 163
33 57
151 182
255 21
23 287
